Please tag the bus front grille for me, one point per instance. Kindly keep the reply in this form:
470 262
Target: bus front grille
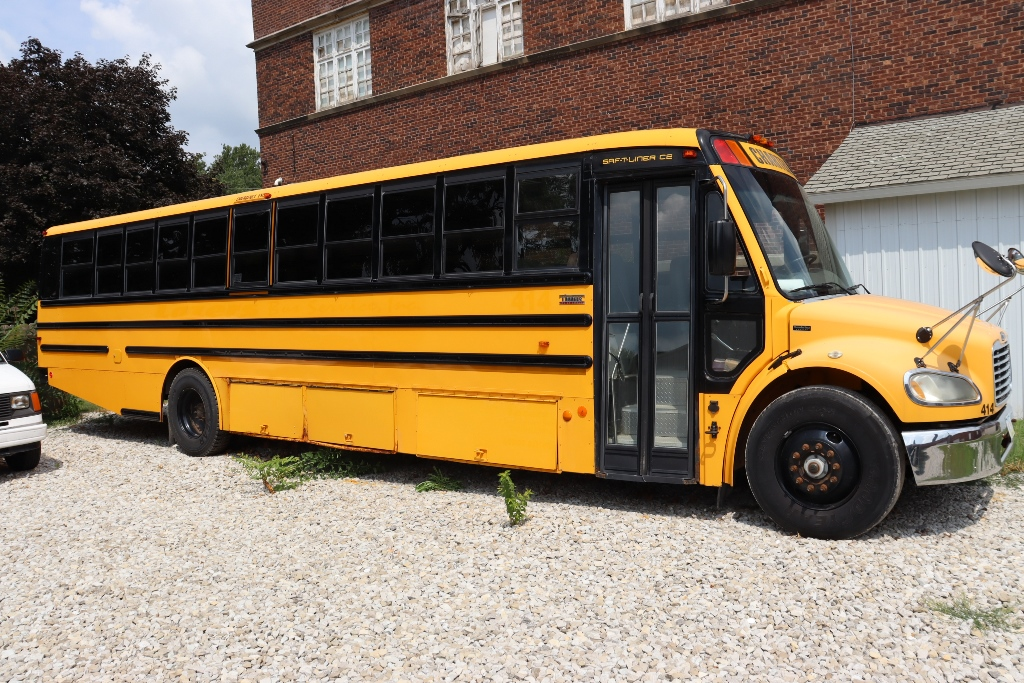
1001 371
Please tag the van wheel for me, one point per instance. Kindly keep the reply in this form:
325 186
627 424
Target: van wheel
824 462
26 460
194 416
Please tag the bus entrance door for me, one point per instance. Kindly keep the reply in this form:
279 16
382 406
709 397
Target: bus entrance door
647 428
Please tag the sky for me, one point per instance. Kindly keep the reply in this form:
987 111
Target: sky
200 44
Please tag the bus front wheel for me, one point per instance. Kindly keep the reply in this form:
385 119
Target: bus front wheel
824 462
194 415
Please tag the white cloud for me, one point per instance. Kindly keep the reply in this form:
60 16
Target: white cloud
9 47
200 45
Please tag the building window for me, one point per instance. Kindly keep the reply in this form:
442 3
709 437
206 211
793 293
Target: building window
342 56
482 32
642 12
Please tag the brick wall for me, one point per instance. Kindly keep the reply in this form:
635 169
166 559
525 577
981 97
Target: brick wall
784 71
552 24
284 79
269 16
407 39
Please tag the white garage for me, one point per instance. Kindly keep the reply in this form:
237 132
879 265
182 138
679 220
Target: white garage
905 200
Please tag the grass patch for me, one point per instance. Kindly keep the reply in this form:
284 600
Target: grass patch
439 481
962 607
515 502
283 473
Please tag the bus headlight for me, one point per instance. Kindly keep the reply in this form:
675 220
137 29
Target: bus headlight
935 388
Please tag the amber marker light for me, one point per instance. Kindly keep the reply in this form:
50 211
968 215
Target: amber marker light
36 405
689 154
582 411
567 415
740 154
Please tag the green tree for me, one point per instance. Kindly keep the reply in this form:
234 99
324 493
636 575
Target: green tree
81 140
237 168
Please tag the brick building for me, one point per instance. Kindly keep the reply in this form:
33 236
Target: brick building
347 85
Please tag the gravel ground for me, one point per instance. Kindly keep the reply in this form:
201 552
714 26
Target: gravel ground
125 560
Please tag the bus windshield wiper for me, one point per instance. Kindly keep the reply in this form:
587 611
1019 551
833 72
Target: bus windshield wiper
823 288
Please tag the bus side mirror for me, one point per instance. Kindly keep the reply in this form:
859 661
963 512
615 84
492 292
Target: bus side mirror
722 247
14 355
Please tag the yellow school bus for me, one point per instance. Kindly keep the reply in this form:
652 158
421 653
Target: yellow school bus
657 306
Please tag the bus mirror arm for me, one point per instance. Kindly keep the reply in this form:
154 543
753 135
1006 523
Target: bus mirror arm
721 250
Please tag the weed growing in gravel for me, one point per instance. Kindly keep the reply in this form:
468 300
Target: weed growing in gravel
328 464
277 473
439 481
962 607
515 502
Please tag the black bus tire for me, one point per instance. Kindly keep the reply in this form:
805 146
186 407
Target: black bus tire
194 415
814 428
26 460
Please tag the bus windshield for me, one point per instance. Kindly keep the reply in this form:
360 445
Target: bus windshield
799 251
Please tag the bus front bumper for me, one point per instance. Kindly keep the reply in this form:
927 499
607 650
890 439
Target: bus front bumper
951 455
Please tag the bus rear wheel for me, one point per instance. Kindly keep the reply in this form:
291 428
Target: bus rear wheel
824 462
194 415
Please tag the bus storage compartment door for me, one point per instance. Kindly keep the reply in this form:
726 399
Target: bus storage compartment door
351 417
265 409
519 432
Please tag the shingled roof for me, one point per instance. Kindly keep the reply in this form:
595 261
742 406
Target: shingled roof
935 154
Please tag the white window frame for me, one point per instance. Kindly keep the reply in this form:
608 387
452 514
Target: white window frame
665 9
464 33
342 70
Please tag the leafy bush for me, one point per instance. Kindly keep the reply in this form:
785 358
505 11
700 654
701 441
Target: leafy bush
438 481
277 473
283 473
330 464
515 502
18 331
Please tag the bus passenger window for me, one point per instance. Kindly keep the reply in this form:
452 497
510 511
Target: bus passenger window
295 239
548 244
348 232
407 233
557 192
250 253
109 271
49 275
209 252
139 260
474 226
550 237
172 256
76 270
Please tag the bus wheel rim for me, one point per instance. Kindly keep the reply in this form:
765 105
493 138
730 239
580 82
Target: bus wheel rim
192 413
818 465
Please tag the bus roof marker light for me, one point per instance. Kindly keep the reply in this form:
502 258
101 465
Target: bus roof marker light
741 156
761 140
689 154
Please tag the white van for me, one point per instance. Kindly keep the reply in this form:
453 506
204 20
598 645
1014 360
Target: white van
21 416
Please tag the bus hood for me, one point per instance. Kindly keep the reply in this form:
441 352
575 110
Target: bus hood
884 330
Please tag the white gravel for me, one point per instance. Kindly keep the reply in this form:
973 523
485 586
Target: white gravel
123 559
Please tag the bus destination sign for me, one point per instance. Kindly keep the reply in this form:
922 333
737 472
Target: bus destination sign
628 159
